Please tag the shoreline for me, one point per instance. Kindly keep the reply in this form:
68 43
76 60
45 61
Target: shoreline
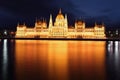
74 39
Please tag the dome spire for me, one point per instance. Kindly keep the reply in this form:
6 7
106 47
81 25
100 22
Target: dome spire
60 11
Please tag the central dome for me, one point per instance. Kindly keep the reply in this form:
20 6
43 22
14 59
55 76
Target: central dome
60 15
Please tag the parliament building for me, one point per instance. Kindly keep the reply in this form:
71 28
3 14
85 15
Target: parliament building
59 29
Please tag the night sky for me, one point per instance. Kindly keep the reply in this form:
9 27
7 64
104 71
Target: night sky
14 11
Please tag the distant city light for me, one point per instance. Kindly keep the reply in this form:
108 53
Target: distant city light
117 32
5 32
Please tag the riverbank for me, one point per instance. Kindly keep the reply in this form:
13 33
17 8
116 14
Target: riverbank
79 39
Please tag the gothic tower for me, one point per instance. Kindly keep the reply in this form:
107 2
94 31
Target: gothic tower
50 25
50 22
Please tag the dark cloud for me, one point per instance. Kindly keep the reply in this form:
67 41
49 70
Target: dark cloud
6 17
12 11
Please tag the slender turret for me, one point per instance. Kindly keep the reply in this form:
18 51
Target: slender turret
50 22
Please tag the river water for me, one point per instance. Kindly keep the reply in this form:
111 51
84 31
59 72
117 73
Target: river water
59 60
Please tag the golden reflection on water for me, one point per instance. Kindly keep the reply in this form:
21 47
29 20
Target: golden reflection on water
60 60
88 58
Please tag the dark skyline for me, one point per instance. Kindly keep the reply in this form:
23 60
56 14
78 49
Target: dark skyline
14 11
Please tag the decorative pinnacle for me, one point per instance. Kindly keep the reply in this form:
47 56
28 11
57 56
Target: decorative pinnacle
60 11
18 24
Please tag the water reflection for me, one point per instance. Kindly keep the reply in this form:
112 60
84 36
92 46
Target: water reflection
60 60
113 60
116 53
31 60
87 61
113 50
5 59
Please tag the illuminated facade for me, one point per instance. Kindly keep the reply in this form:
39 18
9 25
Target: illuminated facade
59 29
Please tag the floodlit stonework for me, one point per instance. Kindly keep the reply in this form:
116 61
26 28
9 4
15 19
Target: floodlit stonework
59 29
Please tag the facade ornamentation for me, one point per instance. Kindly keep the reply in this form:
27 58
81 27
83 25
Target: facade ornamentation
59 29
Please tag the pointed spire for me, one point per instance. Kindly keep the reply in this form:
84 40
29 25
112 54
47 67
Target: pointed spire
65 16
51 16
50 22
102 24
24 23
76 20
43 20
95 24
66 21
36 19
18 24
60 11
